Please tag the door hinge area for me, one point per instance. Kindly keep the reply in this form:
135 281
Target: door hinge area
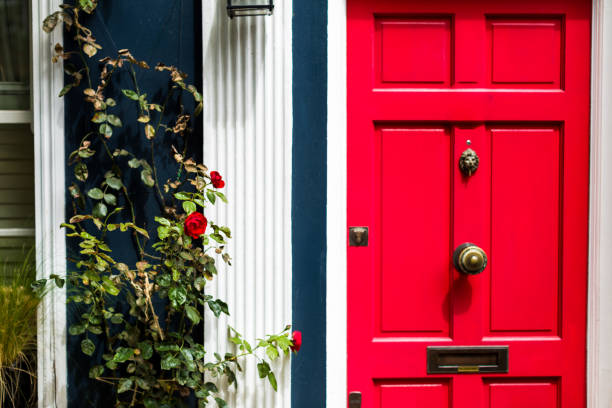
355 400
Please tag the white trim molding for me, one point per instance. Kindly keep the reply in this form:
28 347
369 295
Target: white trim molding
248 138
49 159
599 335
336 323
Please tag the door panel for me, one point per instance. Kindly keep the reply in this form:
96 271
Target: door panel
523 394
525 52
414 51
525 228
426 81
403 215
414 394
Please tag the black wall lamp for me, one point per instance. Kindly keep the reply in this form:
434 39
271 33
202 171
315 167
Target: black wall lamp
243 8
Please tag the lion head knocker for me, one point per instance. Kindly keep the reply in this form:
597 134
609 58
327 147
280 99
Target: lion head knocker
468 162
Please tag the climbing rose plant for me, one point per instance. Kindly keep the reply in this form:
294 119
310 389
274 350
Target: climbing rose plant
140 322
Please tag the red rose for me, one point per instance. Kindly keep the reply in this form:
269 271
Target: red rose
195 225
297 341
216 179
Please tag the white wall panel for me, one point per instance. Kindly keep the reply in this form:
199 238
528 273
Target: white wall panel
247 138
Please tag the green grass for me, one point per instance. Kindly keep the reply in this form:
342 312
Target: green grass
18 306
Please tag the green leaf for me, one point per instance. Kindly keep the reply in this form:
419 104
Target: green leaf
81 172
272 352
182 196
167 347
65 90
114 183
100 210
86 153
221 196
272 379
106 130
163 221
110 199
193 314
95 193
125 385
134 163
117 318
111 102
211 196
96 371
114 120
189 207
146 350
147 177
59 282
123 354
178 295
77 329
218 238
88 347
215 308
263 369
220 403
109 286
130 94
162 232
99 117
210 267
169 362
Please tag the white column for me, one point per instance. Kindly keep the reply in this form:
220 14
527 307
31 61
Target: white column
49 159
599 381
336 205
247 138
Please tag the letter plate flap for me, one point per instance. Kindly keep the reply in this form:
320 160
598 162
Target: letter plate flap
466 360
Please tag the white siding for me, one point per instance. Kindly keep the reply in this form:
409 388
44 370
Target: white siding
247 138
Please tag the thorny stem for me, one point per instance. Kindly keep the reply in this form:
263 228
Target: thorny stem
84 61
147 291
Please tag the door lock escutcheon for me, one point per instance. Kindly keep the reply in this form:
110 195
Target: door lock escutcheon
358 236
355 400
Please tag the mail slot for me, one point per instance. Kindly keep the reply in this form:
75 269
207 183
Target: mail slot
467 360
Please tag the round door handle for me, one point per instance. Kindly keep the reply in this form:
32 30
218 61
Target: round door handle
469 259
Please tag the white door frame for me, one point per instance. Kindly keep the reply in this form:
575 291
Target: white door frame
50 161
599 334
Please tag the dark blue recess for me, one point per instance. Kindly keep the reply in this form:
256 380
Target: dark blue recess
167 31
309 201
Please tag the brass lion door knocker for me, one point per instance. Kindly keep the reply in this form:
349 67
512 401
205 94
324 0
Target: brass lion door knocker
468 162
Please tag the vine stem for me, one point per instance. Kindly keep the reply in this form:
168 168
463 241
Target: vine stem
161 114
127 198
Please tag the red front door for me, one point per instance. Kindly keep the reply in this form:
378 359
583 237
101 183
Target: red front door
427 80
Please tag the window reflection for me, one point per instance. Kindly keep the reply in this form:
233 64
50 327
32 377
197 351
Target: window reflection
14 54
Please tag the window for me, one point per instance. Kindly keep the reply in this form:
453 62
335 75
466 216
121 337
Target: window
16 138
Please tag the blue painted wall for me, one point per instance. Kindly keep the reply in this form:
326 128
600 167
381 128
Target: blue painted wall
167 31
309 199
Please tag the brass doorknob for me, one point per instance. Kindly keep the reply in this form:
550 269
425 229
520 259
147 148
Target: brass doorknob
469 259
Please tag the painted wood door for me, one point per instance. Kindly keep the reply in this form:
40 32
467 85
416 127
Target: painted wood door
426 81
